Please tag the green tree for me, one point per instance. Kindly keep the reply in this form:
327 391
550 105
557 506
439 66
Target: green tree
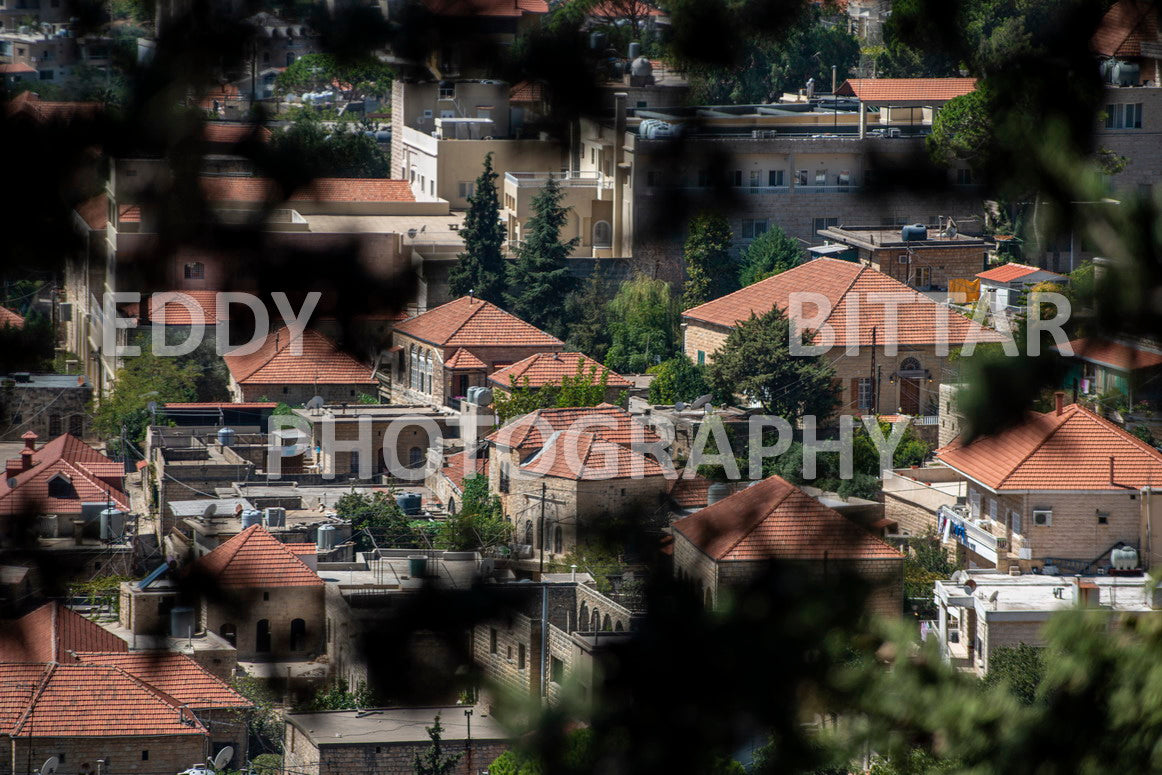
263 721
539 278
479 524
677 379
710 270
339 696
643 325
586 311
342 151
1019 668
583 388
380 515
772 253
963 130
143 379
316 72
756 363
521 399
480 269
434 761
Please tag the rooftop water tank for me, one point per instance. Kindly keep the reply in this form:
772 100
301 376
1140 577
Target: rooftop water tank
112 524
409 502
717 492
1124 558
417 566
635 50
226 437
325 540
181 622
641 67
597 40
251 517
914 233
274 516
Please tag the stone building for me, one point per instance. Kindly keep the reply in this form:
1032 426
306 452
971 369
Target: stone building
895 331
929 263
386 741
45 404
50 633
549 369
457 345
731 541
276 372
1005 286
271 603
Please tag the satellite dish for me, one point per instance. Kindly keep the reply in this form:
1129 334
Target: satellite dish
701 401
316 404
209 511
679 406
223 758
49 767
959 577
993 597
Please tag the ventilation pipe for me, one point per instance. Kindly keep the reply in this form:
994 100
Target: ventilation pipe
1059 399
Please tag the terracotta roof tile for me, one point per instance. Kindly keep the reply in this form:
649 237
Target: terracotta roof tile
50 632
248 189
472 322
129 213
527 91
177 314
11 68
611 423
229 132
10 318
1125 26
301 549
1006 273
464 360
69 457
919 318
774 519
175 674
18 685
586 456
549 369
486 7
906 89
455 468
42 111
94 211
83 700
1070 451
1114 354
255 558
320 362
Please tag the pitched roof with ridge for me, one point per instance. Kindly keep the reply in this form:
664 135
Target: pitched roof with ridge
464 360
1007 273
84 700
550 368
233 131
321 362
1126 25
94 211
245 189
774 519
175 674
843 283
471 322
255 558
585 456
176 312
607 421
906 89
1068 451
50 632
456 468
10 318
1116 355
94 478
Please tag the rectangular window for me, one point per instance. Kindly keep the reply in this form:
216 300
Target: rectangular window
447 91
801 178
736 178
865 393
756 178
753 227
1103 518
520 657
504 476
467 189
774 177
145 756
701 358
821 177
47 75
824 223
974 503
491 640
964 177
1124 116
843 178
653 178
556 671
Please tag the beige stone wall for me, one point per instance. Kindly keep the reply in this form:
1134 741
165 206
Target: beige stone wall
147 755
999 634
503 667
941 265
279 606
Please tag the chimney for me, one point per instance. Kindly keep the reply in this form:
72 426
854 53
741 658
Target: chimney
29 440
26 459
13 467
1059 398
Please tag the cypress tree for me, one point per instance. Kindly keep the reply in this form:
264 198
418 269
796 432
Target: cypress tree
481 268
539 281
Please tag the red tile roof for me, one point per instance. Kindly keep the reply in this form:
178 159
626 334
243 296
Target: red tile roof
586 456
774 519
1070 451
94 211
255 558
84 700
527 91
9 68
549 369
906 89
694 492
177 314
486 7
1124 27
300 549
248 189
220 405
455 468
129 213
622 10
611 423
320 362
472 322
1114 354
1006 273
177 675
10 318
94 478
464 360
918 322
229 132
50 632
18 685
39 110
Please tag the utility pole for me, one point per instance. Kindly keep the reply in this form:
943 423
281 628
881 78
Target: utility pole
875 386
468 721
542 571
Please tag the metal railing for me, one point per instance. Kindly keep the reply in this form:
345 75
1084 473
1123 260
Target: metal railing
577 178
968 533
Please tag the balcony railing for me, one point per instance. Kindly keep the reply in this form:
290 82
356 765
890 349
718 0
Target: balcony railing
575 178
969 533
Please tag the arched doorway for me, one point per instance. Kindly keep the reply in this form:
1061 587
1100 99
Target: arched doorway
298 635
910 374
229 633
262 636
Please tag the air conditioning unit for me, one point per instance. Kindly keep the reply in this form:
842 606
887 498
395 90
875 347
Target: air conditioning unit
1042 517
903 258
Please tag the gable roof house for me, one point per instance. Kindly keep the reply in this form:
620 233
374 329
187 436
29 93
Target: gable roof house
457 345
1130 368
271 605
731 541
906 380
1062 489
275 372
53 633
548 369
1005 285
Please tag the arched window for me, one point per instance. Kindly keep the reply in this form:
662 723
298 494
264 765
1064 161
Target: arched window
558 540
910 364
618 627
583 617
229 633
54 425
77 425
596 623
415 457
298 635
528 533
262 636
602 234
451 504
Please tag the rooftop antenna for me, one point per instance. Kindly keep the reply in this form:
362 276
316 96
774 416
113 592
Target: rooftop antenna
701 401
223 758
49 766
209 511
